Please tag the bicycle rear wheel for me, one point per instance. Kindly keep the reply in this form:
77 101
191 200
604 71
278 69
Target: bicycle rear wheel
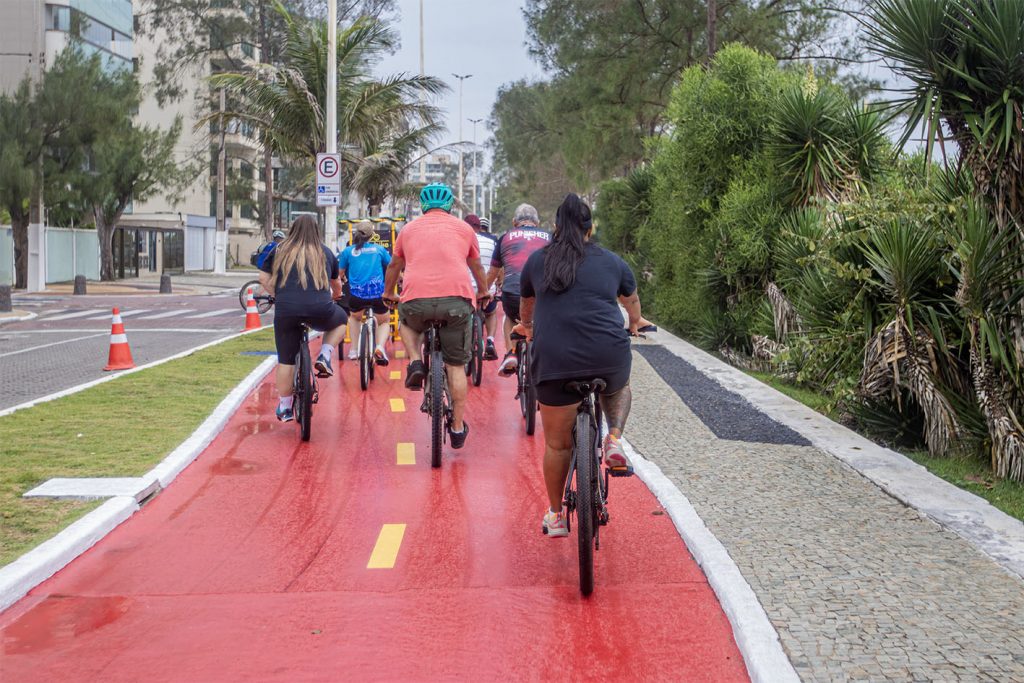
304 392
477 361
531 405
586 504
437 415
365 356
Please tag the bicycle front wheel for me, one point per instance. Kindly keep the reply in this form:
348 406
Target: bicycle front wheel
586 499
437 415
365 356
477 361
304 393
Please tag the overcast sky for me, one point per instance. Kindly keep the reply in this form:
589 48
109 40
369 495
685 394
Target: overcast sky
485 38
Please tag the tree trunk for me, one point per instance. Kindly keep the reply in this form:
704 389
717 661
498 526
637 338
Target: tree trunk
712 28
268 194
105 235
19 228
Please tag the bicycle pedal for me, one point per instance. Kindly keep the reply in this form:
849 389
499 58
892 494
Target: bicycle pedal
316 397
621 471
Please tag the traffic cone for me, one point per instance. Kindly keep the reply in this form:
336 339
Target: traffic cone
252 316
120 357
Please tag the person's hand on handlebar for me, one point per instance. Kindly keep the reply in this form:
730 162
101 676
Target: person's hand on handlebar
483 298
391 300
523 331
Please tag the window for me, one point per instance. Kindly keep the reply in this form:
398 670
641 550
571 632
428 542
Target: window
58 18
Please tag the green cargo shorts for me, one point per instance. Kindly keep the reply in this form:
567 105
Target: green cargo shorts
456 335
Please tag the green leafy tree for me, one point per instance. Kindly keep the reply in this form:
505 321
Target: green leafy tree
19 153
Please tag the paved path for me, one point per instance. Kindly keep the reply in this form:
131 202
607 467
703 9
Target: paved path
66 344
858 586
254 565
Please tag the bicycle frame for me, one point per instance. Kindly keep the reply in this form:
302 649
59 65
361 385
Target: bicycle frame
591 405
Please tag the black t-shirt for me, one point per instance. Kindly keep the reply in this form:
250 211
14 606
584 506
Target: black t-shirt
579 332
291 294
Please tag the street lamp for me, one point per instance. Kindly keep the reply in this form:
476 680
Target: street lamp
461 79
331 125
476 172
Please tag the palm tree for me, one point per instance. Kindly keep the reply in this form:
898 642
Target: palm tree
288 101
382 167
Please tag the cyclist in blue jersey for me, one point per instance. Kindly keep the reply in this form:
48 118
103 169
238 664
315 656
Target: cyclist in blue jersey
364 263
269 247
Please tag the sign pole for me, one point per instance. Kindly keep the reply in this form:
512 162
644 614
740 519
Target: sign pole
331 227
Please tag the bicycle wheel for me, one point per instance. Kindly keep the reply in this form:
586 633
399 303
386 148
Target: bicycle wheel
586 504
305 398
373 344
477 361
436 399
530 393
242 293
365 356
522 378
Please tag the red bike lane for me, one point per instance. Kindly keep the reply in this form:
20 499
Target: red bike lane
349 558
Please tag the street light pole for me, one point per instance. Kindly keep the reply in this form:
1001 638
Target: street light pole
461 79
331 218
220 245
476 172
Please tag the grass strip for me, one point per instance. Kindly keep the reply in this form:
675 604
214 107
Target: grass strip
969 473
116 429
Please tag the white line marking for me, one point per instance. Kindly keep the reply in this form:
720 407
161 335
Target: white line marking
198 330
167 314
126 314
57 343
212 314
53 312
79 314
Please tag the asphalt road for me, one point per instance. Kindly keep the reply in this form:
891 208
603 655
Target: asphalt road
66 344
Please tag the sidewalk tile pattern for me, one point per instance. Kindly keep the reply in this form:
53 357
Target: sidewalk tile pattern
858 586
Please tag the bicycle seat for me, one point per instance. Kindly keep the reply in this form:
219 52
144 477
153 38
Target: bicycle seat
596 386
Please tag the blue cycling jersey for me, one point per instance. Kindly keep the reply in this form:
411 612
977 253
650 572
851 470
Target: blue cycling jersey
264 253
365 269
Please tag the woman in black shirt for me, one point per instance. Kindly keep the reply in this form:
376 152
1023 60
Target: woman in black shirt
302 276
571 291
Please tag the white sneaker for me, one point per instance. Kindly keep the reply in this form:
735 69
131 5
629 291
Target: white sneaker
508 366
353 354
555 524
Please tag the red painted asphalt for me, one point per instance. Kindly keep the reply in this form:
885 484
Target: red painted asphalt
252 566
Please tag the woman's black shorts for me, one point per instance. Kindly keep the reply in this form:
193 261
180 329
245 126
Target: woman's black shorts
357 305
288 327
553 392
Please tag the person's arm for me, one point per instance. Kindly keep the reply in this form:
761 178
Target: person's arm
395 269
477 268
632 305
493 276
336 288
266 282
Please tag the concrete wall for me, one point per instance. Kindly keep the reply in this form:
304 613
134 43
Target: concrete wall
21 40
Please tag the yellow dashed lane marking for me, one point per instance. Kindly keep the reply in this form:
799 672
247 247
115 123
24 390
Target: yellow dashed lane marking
398 405
406 454
396 374
386 549
399 353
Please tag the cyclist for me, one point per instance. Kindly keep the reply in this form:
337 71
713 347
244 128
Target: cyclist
486 242
278 237
510 255
302 275
363 265
434 251
571 293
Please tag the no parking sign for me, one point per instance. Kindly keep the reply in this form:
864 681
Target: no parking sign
328 179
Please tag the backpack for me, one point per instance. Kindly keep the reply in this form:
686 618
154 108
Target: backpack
254 258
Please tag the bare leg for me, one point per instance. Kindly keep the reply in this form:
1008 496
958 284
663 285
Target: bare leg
557 422
616 409
284 377
383 329
509 324
458 385
491 324
413 342
353 332
333 337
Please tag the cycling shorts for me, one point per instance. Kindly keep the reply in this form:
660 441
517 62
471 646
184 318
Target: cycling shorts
510 304
553 392
456 334
357 305
288 327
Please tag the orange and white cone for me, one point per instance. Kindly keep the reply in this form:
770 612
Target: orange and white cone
252 316
120 357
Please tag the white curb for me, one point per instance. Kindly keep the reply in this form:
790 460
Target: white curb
122 373
42 562
93 488
988 529
35 566
757 639
20 318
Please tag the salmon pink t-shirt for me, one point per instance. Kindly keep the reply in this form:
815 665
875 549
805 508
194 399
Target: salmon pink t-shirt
435 247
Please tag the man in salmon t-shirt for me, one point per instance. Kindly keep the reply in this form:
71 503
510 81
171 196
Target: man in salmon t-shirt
434 251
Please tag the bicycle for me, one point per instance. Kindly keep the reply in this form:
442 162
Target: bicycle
364 348
305 390
475 366
526 393
589 497
259 294
437 397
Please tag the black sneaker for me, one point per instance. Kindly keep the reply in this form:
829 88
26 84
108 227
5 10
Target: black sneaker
458 439
323 367
490 353
416 373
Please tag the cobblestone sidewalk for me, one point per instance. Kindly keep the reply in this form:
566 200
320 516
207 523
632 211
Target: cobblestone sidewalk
858 586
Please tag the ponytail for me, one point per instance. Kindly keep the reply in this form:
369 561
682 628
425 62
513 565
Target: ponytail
359 240
564 255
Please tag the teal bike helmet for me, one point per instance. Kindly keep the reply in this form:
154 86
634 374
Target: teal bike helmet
436 196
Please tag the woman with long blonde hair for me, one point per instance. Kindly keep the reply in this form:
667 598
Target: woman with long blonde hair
303 277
